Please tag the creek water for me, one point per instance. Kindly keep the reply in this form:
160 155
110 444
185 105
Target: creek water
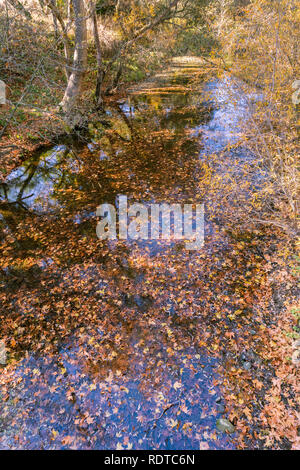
119 344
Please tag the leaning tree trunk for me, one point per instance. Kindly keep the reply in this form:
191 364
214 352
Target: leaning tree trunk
74 86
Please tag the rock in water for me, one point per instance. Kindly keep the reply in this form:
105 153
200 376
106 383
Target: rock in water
3 356
247 365
224 425
220 408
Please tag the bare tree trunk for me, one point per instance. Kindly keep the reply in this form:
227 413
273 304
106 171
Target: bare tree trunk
117 6
74 85
100 73
112 88
64 33
69 10
55 25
